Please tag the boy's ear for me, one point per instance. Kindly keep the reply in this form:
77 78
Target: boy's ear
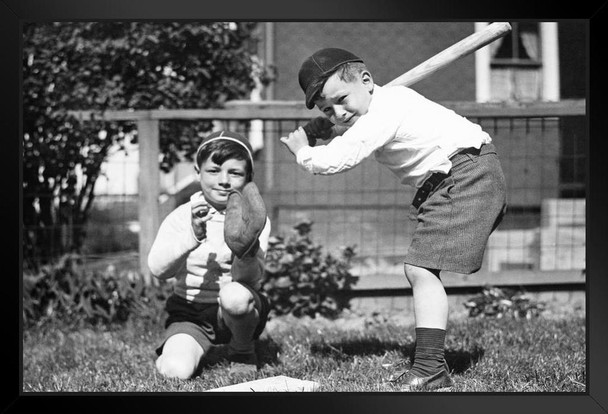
367 80
197 169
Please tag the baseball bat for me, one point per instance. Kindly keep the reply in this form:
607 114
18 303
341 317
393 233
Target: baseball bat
458 50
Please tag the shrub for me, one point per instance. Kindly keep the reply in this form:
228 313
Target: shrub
302 280
496 302
67 292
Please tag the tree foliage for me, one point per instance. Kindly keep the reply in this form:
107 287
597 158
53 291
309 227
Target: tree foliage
114 65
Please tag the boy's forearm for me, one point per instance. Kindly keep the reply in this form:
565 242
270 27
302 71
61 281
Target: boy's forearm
295 147
325 162
165 261
170 252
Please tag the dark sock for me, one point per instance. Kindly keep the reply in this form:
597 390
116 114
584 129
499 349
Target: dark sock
429 355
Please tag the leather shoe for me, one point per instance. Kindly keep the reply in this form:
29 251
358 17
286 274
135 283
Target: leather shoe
242 364
409 381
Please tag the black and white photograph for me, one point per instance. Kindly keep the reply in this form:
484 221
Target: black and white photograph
319 207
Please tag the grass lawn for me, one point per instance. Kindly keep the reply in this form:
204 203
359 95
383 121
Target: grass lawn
355 353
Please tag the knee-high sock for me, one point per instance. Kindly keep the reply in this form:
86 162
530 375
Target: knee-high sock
429 357
242 328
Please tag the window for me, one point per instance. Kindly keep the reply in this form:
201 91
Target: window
516 64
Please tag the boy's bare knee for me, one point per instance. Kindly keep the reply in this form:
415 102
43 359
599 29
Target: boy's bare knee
236 300
416 274
180 357
411 272
175 367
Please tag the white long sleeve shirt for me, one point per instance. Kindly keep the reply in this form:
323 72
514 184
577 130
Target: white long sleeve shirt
202 267
408 133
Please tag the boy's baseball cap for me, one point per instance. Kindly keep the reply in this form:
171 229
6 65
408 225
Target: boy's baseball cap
228 136
321 63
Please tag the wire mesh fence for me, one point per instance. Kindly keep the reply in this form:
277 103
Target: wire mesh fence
544 230
543 154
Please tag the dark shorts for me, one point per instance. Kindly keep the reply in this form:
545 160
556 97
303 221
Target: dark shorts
457 218
203 322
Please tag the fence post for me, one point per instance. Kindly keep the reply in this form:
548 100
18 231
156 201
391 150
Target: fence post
148 190
265 177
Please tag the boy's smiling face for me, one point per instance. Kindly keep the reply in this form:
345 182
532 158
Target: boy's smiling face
217 180
344 102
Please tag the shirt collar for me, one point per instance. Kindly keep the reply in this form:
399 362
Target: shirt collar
212 210
378 90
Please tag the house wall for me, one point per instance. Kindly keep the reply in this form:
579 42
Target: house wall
388 48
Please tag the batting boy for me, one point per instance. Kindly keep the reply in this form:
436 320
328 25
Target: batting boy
214 247
451 161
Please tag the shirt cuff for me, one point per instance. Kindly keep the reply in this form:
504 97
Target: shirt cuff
304 154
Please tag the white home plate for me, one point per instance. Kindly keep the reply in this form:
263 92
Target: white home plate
272 384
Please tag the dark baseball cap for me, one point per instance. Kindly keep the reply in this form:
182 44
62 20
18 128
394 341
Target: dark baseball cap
322 63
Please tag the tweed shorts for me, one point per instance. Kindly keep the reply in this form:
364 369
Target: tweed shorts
456 220
203 322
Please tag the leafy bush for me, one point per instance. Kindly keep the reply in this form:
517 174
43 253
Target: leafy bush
67 292
496 302
302 280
